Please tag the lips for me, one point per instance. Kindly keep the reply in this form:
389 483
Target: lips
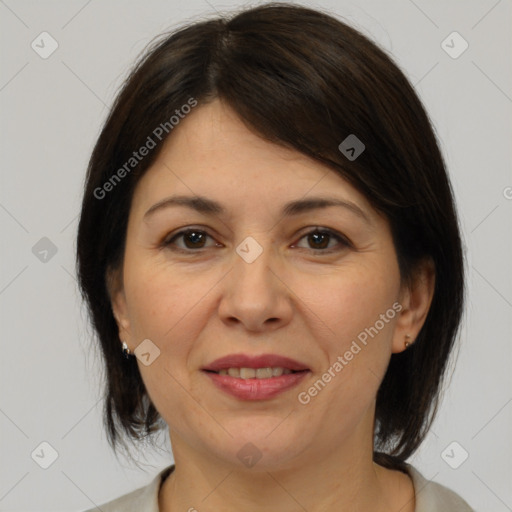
261 361
255 377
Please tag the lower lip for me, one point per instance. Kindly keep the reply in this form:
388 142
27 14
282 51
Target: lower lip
256 389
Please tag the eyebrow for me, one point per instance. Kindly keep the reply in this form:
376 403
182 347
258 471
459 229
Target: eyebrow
208 206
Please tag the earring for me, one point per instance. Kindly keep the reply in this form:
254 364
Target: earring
407 343
126 350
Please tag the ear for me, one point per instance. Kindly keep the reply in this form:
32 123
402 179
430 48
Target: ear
115 289
415 298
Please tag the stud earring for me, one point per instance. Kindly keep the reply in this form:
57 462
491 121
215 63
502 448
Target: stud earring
407 343
126 350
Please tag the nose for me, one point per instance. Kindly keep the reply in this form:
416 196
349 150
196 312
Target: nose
254 295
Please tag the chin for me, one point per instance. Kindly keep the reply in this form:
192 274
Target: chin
261 449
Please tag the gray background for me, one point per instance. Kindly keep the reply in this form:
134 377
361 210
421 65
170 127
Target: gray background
52 110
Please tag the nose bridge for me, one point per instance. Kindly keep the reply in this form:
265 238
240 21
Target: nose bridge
252 265
254 293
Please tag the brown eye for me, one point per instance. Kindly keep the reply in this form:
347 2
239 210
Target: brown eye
319 240
192 239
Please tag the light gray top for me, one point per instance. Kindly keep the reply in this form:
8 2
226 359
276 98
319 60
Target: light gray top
430 496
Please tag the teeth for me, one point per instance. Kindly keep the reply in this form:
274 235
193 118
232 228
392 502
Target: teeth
264 373
258 373
247 373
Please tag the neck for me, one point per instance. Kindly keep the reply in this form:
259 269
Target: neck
344 478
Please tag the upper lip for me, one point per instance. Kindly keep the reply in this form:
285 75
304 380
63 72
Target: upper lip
259 361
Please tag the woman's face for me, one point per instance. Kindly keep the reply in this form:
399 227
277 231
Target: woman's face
255 278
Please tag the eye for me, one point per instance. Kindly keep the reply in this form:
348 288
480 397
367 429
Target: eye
192 238
319 240
195 239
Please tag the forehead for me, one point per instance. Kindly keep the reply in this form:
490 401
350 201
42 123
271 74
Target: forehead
212 153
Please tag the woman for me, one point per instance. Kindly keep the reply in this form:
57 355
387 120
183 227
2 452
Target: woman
270 253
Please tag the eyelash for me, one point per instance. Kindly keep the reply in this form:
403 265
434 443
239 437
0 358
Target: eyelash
168 242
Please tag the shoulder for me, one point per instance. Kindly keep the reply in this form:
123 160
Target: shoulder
134 501
434 497
144 499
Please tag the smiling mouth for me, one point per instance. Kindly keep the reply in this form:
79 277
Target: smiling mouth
256 373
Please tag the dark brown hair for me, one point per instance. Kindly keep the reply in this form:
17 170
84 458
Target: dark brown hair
305 80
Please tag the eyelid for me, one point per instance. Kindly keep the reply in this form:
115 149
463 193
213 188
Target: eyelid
166 242
342 239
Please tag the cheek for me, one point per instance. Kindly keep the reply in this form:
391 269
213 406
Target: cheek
352 300
356 309
166 306
162 299
170 307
